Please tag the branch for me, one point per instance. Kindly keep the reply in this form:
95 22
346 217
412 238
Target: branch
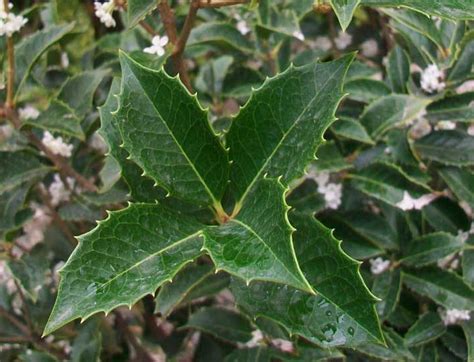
220 3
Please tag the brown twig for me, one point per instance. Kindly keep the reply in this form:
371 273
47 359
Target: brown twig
169 23
220 3
13 320
10 101
45 197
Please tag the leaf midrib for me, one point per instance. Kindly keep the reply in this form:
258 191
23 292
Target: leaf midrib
213 198
151 256
285 134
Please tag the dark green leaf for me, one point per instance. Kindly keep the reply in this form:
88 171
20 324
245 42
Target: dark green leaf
461 183
18 167
125 257
398 69
451 9
430 248
85 85
387 286
222 323
443 287
351 129
329 159
168 135
391 111
221 35
293 132
344 10
452 108
447 147
366 90
428 328
257 244
58 117
138 9
28 51
88 343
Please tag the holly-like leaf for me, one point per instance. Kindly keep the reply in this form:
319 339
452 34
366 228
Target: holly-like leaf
18 167
468 328
168 135
138 9
124 258
468 262
281 126
222 323
11 204
448 147
29 50
194 281
427 328
257 244
141 188
443 287
344 10
366 90
455 108
430 248
88 343
450 9
59 117
310 316
351 129
332 273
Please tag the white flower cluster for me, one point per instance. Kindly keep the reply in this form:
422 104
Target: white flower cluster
259 339
453 316
420 126
432 79
58 191
56 145
6 278
470 130
370 48
322 42
410 203
343 40
9 22
466 87
242 25
158 45
445 125
104 12
28 112
33 229
332 192
256 340
378 265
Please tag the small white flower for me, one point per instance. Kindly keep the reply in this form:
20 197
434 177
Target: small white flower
256 340
321 178
298 35
283 345
6 131
370 48
9 22
28 112
333 195
6 278
450 262
378 265
343 40
377 76
466 87
57 145
58 191
104 13
470 129
410 203
322 42
158 45
243 27
453 316
432 79
97 143
64 60
420 129
33 229
445 125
